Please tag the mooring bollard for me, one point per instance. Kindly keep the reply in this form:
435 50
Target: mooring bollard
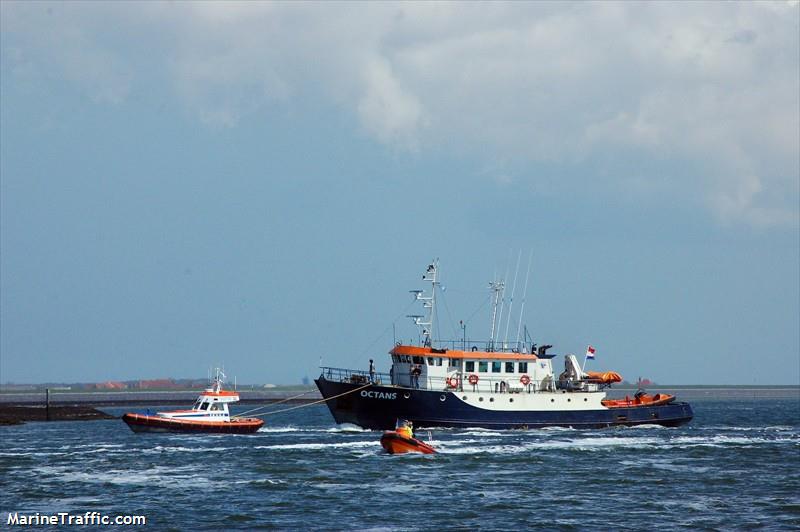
47 403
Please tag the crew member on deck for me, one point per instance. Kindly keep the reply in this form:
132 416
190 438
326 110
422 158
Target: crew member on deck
416 371
404 428
371 371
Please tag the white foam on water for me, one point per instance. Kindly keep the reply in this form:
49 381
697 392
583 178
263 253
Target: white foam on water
647 426
347 427
722 440
174 477
666 465
485 433
181 449
329 486
557 429
599 442
312 446
281 429
95 445
583 444
260 481
33 453
772 428
486 449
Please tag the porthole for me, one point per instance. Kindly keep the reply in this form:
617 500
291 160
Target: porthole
491 399
569 400
406 395
442 397
585 399
464 397
510 399
480 398
552 400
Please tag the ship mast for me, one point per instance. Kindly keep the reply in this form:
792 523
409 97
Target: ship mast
496 287
428 303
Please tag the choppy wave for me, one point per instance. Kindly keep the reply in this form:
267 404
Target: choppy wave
309 470
320 445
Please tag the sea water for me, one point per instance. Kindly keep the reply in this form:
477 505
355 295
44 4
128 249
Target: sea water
736 465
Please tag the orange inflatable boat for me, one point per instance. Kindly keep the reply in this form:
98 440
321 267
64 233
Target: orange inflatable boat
640 399
395 443
402 440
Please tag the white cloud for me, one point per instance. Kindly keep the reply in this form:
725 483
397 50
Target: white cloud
713 84
386 109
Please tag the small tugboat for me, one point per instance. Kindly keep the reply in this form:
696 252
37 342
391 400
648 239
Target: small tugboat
209 414
401 440
494 384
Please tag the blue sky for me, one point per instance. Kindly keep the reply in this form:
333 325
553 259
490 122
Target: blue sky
185 184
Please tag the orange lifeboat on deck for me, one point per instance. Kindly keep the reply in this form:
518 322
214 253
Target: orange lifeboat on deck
640 399
606 377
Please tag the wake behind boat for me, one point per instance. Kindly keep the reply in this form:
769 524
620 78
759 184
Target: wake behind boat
494 384
209 414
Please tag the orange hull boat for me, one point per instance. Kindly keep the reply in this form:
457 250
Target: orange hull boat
639 400
396 443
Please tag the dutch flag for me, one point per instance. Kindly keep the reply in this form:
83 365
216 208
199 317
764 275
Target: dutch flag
590 352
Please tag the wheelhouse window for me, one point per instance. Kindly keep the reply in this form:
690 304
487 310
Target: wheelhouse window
469 366
430 361
509 367
204 406
438 361
523 367
483 366
216 406
419 360
496 367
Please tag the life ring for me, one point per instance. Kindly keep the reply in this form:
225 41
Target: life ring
474 348
525 380
452 382
473 379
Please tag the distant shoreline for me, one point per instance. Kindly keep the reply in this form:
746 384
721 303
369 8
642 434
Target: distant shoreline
171 397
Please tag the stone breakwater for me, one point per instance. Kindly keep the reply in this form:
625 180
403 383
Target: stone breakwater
149 397
16 414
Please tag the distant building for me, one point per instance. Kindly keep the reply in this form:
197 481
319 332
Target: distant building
306 382
111 385
158 384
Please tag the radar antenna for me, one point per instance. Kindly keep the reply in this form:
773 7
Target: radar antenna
425 322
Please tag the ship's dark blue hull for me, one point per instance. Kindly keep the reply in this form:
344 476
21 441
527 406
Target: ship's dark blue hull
378 407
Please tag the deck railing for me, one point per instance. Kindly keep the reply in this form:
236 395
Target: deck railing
458 383
479 345
355 376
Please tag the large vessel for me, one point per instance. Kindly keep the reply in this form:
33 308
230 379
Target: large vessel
209 414
493 384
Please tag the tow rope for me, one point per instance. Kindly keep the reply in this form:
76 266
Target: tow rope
273 404
301 406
